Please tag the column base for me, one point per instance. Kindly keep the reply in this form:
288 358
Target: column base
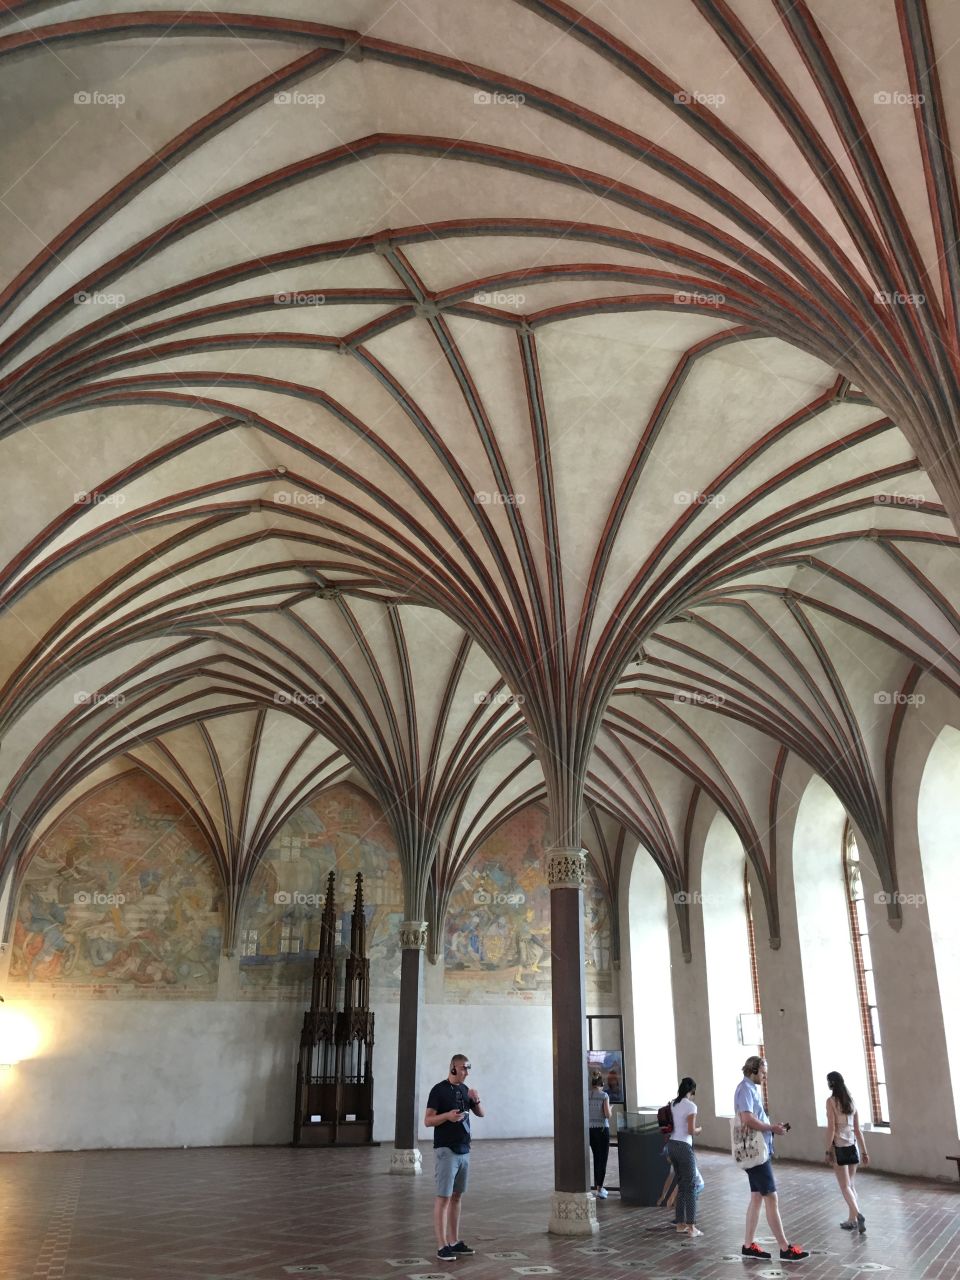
406 1161
573 1213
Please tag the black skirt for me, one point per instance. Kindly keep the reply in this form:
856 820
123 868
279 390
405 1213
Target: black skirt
846 1155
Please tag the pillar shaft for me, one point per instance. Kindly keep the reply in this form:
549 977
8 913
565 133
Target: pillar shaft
570 1148
412 940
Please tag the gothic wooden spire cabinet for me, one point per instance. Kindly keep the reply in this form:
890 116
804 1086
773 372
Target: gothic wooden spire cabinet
334 1093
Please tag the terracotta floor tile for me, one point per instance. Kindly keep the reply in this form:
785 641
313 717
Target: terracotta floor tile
249 1213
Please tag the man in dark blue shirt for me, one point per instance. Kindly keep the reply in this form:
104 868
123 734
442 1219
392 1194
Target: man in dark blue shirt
448 1115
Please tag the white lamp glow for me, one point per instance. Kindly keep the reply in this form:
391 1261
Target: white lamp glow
18 1037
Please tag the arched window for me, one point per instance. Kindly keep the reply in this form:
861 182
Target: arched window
647 982
730 989
936 826
866 985
823 930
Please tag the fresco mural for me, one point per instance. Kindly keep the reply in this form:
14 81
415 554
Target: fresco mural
342 830
121 898
497 931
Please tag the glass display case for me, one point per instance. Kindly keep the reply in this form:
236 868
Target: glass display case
644 1169
639 1121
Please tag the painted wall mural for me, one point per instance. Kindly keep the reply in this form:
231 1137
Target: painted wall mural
344 830
121 898
497 932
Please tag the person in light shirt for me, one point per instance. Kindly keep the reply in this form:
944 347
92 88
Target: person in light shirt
748 1105
598 1102
680 1152
845 1147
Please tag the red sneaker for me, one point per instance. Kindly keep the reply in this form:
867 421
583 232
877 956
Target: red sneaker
754 1251
793 1253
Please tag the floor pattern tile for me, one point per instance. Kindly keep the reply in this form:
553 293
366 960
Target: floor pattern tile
265 1213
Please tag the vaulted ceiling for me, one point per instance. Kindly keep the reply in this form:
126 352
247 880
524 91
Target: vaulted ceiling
601 364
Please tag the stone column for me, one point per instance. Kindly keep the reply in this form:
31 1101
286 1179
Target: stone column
573 1209
406 1157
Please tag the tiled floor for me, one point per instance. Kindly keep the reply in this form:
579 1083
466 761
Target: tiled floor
273 1212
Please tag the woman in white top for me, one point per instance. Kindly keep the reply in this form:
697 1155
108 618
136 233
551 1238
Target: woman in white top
599 1103
845 1147
680 1151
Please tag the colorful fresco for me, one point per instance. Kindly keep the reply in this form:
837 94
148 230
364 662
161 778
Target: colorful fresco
597 946
341 830
121 898
497 932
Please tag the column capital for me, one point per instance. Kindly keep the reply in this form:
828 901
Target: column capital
566 868
413 935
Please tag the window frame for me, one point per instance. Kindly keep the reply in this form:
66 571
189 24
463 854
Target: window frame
869 1012
754 968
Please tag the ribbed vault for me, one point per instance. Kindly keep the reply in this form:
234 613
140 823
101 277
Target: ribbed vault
353 370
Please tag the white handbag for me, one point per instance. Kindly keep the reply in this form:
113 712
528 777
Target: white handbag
749 1147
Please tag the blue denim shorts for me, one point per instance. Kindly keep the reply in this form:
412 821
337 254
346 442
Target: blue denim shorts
761 1179
450 1171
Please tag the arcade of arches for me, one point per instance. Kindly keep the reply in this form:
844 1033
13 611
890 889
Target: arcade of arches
508 448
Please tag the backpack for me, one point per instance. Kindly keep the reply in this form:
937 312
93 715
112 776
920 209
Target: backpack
665 1118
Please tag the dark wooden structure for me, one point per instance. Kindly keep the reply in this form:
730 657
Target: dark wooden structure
334 1099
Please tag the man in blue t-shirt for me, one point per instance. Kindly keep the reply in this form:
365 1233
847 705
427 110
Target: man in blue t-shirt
448 1115
750 1113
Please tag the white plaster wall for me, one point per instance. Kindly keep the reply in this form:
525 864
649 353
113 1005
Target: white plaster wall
690 1006
151 1074
910 1013
221 1073
785 1028
511 1052
154 1073
911 1017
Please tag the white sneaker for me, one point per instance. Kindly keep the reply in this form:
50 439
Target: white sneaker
602 1193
